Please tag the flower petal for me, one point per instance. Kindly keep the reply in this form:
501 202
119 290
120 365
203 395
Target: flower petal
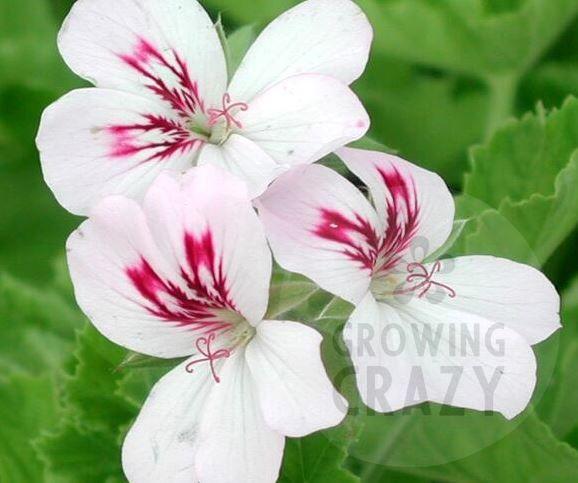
321 226
304 118
506 292
166 49
235 443
407 354
297 397
209 197
415 204
155 280
330 37
244 159
97 142
161 443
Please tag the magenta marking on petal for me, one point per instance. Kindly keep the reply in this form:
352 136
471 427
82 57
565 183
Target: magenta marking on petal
176 139
360 241
377 252
402 217
206 300
185 98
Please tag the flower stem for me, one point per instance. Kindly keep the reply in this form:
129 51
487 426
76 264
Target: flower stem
503 88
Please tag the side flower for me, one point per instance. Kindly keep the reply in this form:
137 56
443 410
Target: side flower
187 274
163 102
453 331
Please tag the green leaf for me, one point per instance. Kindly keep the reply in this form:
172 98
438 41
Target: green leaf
476 37
28 405
239 42
288 292
523 187
319 457
74 454
36 327
444 443
428 118
90 392
524 157
457 229
558 405
249 11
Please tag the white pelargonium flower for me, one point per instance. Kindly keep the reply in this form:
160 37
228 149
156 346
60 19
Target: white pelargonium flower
162 99
454 331
187 274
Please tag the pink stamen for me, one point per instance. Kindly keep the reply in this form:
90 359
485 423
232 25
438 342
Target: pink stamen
216 114
426 279
209 356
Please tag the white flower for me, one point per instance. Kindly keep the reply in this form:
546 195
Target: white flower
162 99
455 331
188 275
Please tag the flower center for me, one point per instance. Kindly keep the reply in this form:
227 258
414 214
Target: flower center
217 125
239 335
417 279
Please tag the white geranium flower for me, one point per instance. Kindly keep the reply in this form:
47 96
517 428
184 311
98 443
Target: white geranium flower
162 100
188 275
455 331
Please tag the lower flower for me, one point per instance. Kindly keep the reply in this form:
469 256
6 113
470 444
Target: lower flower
187 274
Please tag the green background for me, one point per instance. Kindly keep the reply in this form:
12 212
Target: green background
479 91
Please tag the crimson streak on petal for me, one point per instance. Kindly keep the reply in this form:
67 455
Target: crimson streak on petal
377 252
185 98
402 218
159 136
176 139
358 237
203 305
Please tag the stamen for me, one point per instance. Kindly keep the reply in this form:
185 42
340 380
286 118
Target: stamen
216 114
209 356
426 280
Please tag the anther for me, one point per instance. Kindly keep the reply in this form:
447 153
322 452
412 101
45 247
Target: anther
216 114
209 356
425 279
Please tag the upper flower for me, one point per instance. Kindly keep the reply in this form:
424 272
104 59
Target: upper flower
188 275
163 101
414 319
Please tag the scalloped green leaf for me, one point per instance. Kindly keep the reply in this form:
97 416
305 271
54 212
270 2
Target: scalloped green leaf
75 454
522 189
90 391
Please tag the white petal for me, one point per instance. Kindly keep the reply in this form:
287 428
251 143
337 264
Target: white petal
415 204
422 351
208 198
98 142
502 291
146 47
330 37
304 118
235 443
100 253
153 281
320 225
161 443
297 397
244 159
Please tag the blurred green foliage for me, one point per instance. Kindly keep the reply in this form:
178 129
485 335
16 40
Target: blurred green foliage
445 82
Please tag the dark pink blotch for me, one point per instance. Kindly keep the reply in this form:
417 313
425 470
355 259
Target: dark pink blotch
198 308
377 252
